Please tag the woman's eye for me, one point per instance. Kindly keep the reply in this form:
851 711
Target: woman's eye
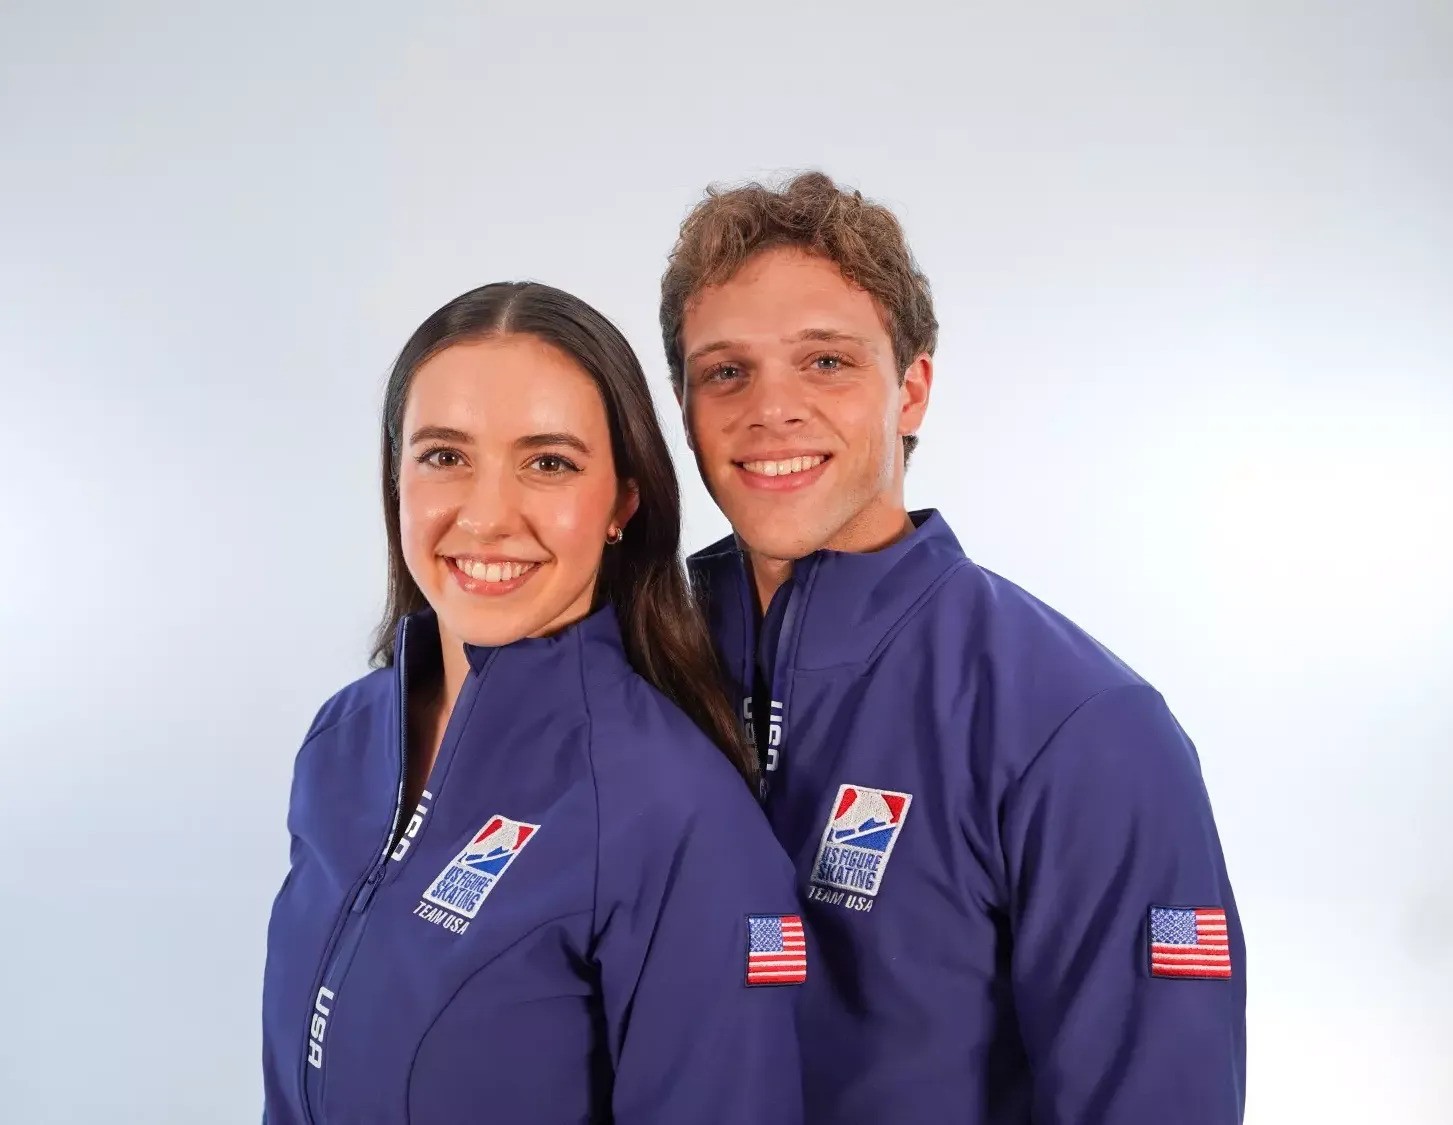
442 458
552 464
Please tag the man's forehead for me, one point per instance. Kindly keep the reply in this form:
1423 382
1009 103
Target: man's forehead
781 271
781 310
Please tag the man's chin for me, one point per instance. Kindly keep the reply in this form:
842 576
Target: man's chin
783 544
786 527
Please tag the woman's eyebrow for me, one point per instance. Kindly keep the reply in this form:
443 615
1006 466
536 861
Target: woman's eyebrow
537 441
440 433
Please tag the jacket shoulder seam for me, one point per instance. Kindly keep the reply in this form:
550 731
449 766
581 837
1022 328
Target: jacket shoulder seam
331 723
1039 754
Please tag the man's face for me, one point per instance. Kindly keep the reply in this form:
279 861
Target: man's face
795 409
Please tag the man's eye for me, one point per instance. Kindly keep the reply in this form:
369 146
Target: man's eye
828 362
721 373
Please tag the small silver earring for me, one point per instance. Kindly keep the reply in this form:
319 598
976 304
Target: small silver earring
615 535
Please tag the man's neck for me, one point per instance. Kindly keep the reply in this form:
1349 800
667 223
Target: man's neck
769 574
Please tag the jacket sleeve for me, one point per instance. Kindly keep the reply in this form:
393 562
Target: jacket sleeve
689 1039
1109 822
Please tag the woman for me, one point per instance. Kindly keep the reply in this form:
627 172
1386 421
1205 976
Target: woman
525 885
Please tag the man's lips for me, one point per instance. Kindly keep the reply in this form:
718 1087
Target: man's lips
783 471
782 465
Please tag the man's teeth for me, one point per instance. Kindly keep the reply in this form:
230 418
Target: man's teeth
492 572
783 468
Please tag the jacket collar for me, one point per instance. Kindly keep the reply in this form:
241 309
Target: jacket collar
596 637
848 603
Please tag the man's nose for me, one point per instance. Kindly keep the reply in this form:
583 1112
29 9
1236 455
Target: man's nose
776 399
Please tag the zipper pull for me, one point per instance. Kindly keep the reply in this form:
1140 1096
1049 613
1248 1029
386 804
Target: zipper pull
365 892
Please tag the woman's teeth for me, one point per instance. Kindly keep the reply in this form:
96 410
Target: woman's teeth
783 468
493 572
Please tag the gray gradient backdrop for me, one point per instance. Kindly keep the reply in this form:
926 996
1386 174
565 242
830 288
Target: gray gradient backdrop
1194 264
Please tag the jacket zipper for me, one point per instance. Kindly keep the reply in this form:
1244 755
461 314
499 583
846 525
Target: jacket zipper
339 955
784 650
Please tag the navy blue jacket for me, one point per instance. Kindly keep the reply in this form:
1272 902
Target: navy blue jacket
560 933
1016 902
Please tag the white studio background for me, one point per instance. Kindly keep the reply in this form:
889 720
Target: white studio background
1194 266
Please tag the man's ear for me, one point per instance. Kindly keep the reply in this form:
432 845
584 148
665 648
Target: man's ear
913 395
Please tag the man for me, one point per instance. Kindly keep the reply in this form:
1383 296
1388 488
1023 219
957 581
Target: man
1015 896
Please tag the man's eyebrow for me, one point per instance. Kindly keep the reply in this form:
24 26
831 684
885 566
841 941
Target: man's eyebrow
825 334
440 433
707 349
563 437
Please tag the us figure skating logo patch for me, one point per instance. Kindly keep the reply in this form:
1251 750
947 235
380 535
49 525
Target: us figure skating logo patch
858 841
463 886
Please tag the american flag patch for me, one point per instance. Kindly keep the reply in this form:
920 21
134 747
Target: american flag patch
776 949
1189 941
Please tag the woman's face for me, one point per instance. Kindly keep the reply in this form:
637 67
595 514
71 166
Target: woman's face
507 488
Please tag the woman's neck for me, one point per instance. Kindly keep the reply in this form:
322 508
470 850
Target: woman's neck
433 690
456 668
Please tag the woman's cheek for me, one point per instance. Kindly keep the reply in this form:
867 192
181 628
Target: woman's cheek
569 523
423 519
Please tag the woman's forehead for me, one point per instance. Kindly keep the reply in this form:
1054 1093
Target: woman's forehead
501 386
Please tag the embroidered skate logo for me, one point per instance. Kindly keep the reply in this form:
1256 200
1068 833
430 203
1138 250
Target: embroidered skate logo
856 846
461 888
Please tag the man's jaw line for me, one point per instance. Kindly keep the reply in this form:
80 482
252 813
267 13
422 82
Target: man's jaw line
872 528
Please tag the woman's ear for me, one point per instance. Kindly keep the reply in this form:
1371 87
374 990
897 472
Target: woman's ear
630 500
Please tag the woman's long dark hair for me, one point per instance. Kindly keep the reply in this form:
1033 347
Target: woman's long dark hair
665 634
